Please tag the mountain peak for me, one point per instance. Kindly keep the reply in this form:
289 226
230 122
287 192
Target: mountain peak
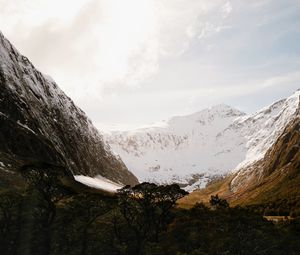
221 106
219 110
224 108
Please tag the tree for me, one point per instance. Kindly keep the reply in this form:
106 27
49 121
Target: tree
146 209
217 203
45 187
10 206
89 208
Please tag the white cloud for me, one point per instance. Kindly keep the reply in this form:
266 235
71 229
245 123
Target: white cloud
166 56
101 43
227 9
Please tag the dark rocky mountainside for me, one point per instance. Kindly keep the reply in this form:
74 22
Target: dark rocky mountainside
38 122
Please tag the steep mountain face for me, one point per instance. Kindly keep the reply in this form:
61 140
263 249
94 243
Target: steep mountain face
259 131
276 175
273 178
194 149
39 122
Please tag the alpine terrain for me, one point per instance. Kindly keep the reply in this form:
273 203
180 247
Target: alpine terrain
194 149
272 180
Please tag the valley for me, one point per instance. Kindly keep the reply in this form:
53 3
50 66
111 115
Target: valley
67 188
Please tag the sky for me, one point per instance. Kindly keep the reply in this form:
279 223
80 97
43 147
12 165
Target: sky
129 63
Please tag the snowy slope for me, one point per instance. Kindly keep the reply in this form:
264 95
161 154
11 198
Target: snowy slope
264 136
263 128
192 149
98 182
182 151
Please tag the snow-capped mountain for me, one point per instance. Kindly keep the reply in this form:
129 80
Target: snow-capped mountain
39 123
269 180
261 129
193 149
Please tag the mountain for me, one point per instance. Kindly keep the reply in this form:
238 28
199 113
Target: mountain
276 175
39 123
271 180
181 151
194 149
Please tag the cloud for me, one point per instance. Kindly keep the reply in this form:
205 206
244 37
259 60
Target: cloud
101 43
227 9
155 58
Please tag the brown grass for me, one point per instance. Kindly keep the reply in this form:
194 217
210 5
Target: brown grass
221 187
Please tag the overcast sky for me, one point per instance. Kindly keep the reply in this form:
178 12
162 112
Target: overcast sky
134 62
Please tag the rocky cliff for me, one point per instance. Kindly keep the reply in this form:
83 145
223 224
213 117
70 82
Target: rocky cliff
38 122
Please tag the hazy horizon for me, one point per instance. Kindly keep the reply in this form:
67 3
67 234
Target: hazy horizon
107 127
133 63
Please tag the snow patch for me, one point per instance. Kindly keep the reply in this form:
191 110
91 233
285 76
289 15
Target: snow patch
25 126
98 182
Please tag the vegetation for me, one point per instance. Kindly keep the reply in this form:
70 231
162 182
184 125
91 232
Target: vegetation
49 217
